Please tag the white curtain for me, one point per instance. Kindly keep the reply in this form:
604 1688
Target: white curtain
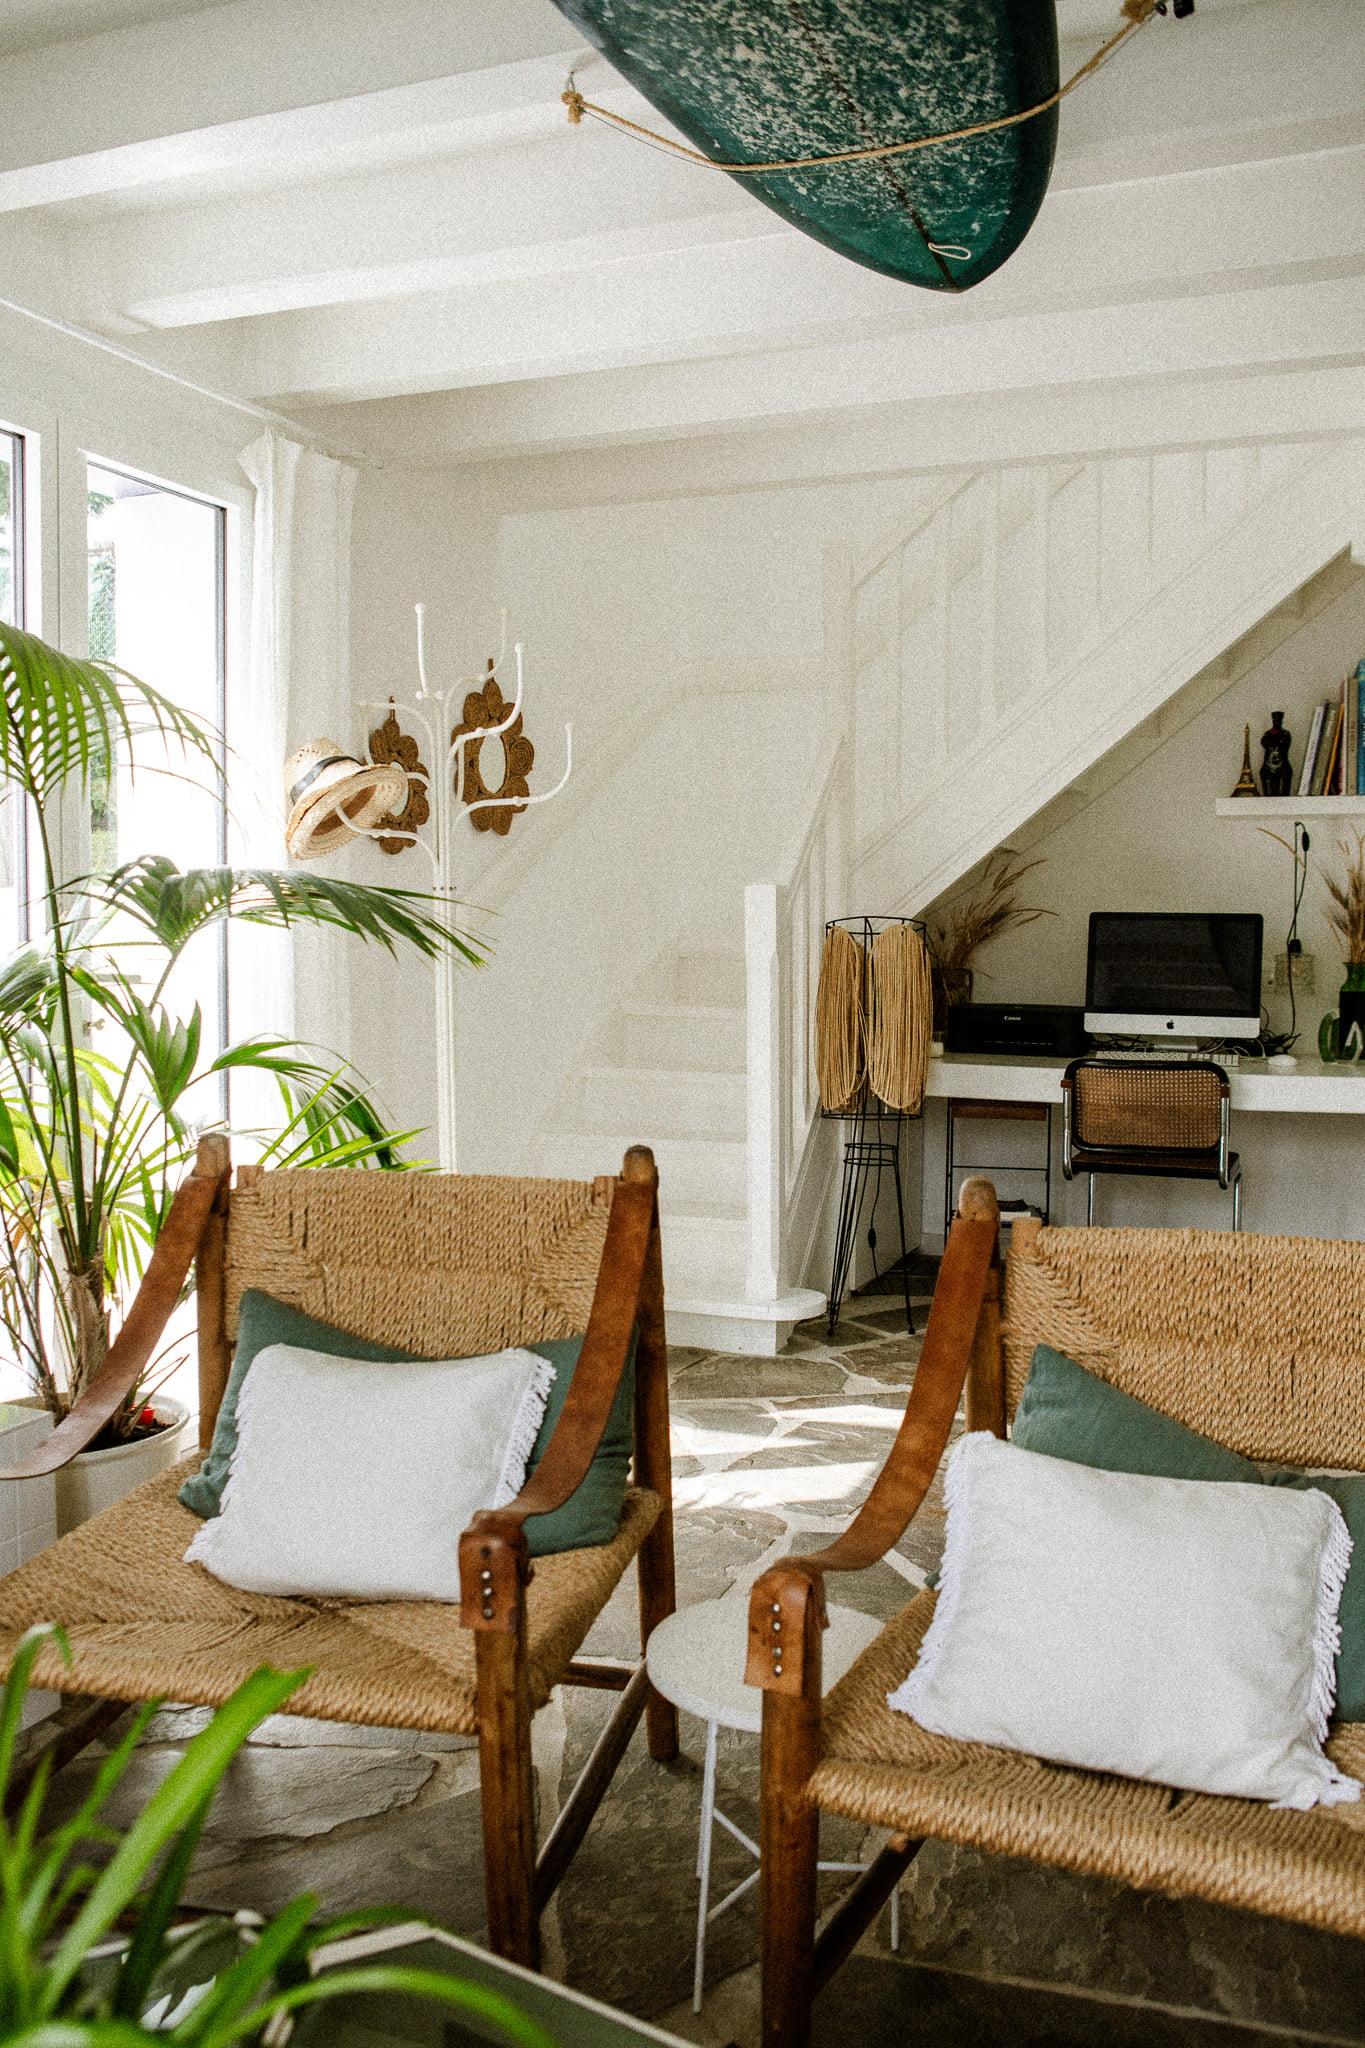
297 688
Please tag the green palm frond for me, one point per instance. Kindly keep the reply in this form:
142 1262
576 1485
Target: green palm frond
329 1118
171 906
95 1137
28 988
64 719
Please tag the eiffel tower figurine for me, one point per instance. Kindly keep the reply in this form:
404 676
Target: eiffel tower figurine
1246 781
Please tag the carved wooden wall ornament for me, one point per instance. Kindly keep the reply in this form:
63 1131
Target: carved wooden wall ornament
388 742
483 709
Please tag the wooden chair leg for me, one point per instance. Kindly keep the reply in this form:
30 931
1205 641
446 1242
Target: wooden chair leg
653 1468
507 1790
789 1844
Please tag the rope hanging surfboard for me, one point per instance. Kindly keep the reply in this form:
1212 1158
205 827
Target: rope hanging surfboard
806 102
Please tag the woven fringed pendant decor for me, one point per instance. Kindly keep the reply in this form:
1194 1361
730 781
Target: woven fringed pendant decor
873 1017
900 1025
840 1051
770 83
874 1010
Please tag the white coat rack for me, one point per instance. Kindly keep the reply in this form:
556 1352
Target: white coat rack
432 712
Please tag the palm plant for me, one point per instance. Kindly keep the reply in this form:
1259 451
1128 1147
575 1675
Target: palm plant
56 1906
93 1144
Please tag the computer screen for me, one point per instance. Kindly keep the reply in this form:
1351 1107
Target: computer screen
1174 972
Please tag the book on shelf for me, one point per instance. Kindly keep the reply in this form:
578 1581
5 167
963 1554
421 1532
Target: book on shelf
1310 752
1327 746
1333 785
1350 736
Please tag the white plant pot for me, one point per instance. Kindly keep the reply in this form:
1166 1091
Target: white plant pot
94 1480
28 1511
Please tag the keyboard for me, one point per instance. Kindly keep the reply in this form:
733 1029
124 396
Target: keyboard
1166 1053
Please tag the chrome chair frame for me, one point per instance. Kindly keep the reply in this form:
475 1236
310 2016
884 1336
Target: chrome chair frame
1164 1162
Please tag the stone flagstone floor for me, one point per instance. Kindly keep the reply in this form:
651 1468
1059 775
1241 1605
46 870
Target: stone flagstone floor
769 1455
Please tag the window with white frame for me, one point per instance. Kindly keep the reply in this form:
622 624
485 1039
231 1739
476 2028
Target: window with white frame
156 567
14 914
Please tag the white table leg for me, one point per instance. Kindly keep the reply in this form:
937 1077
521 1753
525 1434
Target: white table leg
708 1811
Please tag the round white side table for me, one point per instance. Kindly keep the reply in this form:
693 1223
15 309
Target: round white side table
696 1659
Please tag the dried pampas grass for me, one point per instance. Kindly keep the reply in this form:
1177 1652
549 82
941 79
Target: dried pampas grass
1346 905
993 907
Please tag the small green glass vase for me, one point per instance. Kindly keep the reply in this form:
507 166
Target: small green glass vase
1334 1033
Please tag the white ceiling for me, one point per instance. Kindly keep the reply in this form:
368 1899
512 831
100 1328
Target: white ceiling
382 210
30 24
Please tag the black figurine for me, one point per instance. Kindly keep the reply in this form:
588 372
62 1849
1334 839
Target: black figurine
1277 777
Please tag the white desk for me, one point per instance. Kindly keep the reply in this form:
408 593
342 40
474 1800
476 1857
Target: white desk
1310 1089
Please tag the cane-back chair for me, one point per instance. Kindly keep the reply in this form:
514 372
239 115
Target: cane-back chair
446 1266
1167 1118
1256 1341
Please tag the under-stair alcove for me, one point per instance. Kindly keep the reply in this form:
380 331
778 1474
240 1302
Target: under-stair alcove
1141 829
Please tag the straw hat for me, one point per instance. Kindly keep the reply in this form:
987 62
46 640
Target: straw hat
332 795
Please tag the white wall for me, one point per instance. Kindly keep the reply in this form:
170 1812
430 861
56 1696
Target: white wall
1152 842
683 631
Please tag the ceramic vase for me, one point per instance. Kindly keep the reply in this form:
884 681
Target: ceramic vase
1334 1035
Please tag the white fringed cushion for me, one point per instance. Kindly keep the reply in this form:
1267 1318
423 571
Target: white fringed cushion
355 1481
1166 1629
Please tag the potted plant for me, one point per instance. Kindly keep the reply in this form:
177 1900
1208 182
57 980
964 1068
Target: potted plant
94 1142
65 1984
971 922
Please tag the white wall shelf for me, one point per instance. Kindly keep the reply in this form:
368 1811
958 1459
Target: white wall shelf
1253 808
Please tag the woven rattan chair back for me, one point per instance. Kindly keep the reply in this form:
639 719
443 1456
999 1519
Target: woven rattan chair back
1168 1108
1257 1341
446 1265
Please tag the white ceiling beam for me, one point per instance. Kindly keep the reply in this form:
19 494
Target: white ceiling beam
253 91
1239 344
607 454
579 196
260 84
436 117
1175 237
1223 87
554 210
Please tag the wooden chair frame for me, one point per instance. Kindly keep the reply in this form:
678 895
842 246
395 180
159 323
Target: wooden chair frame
495 1566
787 1616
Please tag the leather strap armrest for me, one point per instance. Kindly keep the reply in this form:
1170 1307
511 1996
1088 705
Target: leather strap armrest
792 1591
144 1323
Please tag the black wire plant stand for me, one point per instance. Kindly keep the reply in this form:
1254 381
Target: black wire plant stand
873 1144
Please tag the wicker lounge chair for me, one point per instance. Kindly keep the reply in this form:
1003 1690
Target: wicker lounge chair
448 1266
1257 1341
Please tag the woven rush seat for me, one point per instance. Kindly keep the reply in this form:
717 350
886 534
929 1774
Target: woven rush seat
383 1663
1256 1342
883 1769
440 1266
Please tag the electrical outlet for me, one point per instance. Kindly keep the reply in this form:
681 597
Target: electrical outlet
1276 976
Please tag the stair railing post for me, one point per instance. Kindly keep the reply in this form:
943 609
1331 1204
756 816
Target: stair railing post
764 1067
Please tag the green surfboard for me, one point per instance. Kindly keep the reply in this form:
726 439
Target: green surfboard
753 81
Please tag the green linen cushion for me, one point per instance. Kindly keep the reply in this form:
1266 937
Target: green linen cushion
1067 1412
591 1515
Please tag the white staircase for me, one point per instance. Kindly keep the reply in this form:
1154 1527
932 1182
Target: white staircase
986 661
1018 631
670 1072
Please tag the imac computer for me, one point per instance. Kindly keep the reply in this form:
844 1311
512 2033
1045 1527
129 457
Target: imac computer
1173 976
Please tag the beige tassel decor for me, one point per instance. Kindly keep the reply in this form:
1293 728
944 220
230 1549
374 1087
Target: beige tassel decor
840 1066
901 1018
